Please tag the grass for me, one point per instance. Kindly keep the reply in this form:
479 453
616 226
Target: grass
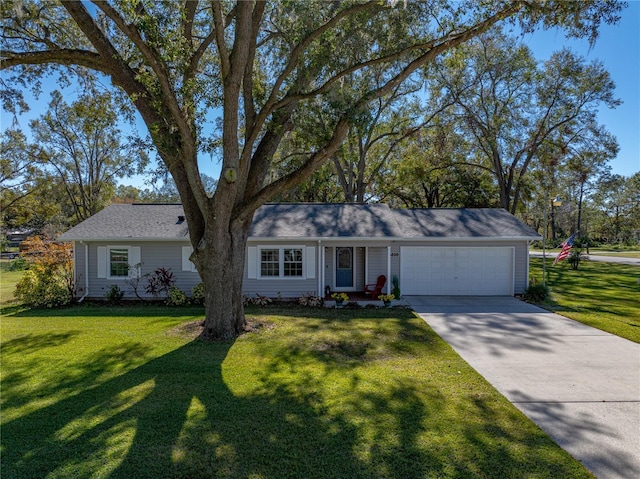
126 392
8 280
610 250
619 254
603 295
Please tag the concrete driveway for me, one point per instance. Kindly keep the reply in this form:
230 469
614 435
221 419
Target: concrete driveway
579 384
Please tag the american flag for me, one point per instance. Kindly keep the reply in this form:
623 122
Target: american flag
566 248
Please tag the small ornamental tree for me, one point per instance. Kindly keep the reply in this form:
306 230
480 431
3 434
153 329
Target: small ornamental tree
49 280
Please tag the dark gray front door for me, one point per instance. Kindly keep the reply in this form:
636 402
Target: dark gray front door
344 267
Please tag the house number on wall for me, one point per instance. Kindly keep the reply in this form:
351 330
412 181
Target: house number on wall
393 255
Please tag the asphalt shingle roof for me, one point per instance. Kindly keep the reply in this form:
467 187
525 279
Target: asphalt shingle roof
324 220
309 221
462 223
136 221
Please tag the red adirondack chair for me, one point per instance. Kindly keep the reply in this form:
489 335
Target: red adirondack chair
376 289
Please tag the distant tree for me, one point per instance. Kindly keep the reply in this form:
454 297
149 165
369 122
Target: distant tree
587 166
80 144
617 201
29 196
372 139
430 171
126 194
19 174
512 107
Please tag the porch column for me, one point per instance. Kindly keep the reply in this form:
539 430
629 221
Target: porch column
323 258
320 269
366 264
388 269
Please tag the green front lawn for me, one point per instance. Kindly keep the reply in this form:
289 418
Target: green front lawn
125 392
603 295
8 280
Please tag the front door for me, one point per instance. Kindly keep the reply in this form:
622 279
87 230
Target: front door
344 267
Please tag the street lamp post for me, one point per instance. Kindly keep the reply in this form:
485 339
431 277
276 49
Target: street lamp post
556 201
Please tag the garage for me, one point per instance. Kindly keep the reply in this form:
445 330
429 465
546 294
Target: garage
457 271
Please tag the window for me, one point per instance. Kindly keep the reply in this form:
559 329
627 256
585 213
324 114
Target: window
270 262
282 262
293 262
118 262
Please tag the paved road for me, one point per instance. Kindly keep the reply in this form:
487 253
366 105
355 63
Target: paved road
605 259
579 384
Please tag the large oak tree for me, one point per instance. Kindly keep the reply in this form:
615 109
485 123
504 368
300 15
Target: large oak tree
514 109
259 64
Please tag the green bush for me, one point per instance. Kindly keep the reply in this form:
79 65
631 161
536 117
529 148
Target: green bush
42 290
537 293
197 294
575 257
114 294
175 297
310 300
396 287
19 264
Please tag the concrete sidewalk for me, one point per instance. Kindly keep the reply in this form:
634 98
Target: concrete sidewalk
579 384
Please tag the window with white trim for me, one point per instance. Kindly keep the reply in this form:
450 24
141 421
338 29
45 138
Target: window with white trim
282 262
270 262
292 262
118 262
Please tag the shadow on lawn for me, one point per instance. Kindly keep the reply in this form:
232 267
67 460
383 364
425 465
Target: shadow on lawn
169 427
103 309
176 416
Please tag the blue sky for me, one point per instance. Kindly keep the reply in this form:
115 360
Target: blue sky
618 47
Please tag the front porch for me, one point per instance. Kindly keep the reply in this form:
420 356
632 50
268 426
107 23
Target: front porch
350 268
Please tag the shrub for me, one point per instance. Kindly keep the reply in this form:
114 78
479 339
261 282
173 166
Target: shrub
575 257
197 294
310 300
260 300
114 294
175 297
396 287
160 281
38 289
537 293
19 264
49 280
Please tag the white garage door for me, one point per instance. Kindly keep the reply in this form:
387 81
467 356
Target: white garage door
477 271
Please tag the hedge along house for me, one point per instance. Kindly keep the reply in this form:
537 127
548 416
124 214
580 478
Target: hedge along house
307 248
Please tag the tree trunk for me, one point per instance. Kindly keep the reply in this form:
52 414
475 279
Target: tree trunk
221 268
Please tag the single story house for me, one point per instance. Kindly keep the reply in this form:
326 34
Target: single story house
305 248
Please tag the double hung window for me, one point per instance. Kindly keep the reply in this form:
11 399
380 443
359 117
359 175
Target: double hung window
118 262
282 262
